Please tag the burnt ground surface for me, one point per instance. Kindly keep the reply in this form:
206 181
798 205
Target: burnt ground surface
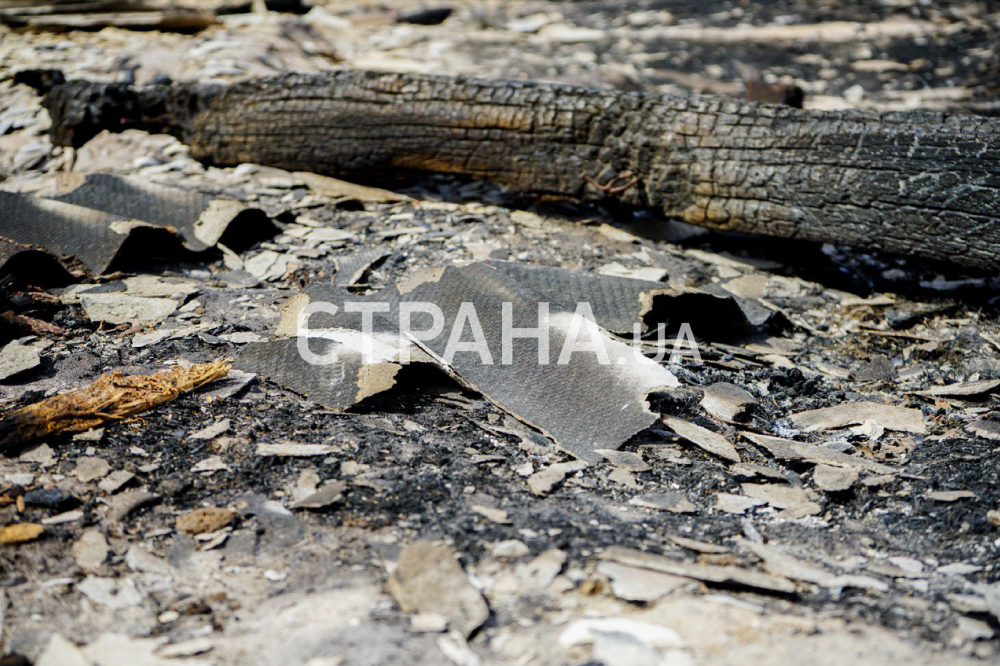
307 587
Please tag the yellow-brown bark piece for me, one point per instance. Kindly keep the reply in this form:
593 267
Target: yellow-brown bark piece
111 397
20 533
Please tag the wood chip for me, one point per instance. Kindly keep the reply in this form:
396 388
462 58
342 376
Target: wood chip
710 441
205 520
20 533
111 397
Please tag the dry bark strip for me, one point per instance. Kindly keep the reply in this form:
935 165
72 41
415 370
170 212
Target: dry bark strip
920 183
111 397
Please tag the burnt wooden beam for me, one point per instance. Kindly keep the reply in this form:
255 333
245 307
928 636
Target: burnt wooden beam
920 183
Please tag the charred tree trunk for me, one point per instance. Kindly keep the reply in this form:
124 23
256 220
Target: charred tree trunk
925 184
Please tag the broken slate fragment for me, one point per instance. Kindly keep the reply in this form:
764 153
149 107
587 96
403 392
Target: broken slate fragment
834 479
698 546
949 495
114 593
788 449
777 561
626 460
429 580
728 402
538 573
709 573
620 641
559 397
228 386
336 188
16 358
91 469
339 384
121 506
545 480
211 431
638 584
91 550
197 218
60 652
123 309
328 494
619 303
115 481
782 497
704 438
985 429
295 449
729 503
583 400
352 267
76 235
673 502
889 417
963 390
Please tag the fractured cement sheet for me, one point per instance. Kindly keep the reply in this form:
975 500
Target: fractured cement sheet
18 258
584 404
352 267
618 303
200 220
344 382
92 237
88 218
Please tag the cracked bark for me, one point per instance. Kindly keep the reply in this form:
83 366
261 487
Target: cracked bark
919 183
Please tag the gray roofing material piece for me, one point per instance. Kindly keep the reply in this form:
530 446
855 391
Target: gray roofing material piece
90 236
88 218
584 405
199 219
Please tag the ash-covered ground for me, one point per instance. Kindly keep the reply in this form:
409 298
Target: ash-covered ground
890 554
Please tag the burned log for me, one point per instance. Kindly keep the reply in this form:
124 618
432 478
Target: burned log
918 183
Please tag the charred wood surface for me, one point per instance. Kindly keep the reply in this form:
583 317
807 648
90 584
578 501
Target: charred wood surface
918 183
